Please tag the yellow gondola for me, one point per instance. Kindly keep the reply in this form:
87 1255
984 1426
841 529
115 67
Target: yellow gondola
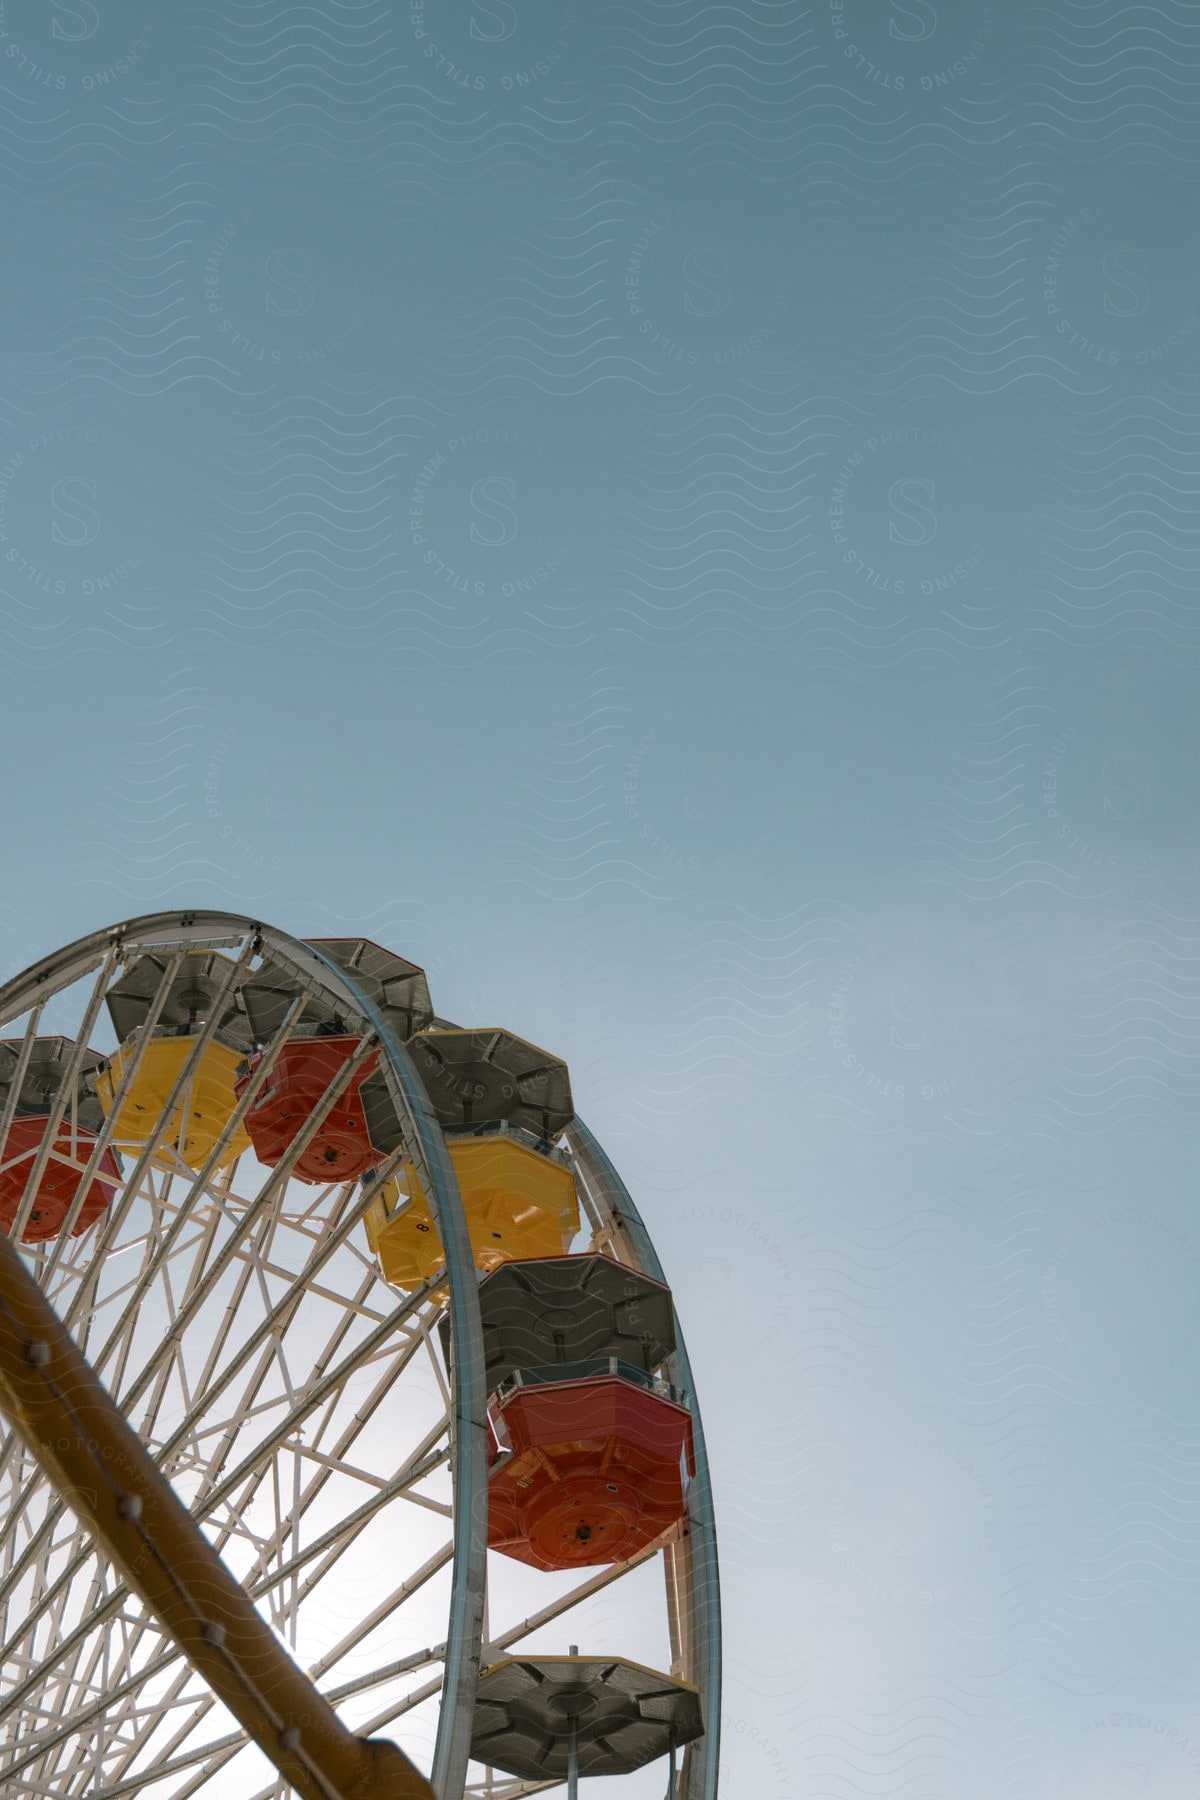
208 1103
201 982
520 1202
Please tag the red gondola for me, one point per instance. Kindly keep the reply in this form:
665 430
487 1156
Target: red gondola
60 1180
585 1470
303 1069
43 1067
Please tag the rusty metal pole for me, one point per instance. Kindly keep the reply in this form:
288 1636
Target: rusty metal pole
104 1472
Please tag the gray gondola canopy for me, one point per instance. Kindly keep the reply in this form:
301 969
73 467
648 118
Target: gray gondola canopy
533 1713
49 1058
395 987
192 993
571 1309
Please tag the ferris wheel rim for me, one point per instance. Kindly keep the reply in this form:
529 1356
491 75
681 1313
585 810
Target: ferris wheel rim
216 929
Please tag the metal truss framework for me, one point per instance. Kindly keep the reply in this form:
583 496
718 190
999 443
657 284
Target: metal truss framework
302 1410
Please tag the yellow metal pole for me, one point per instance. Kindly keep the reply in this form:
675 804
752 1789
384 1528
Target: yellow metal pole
105 1474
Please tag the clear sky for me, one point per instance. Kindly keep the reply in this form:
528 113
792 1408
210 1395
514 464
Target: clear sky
681 518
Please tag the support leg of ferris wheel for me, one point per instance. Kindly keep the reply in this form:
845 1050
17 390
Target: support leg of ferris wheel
691 1564
573 1749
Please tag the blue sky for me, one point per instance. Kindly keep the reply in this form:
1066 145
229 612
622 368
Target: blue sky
680 519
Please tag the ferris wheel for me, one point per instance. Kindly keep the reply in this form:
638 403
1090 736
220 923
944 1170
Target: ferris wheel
347 1430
